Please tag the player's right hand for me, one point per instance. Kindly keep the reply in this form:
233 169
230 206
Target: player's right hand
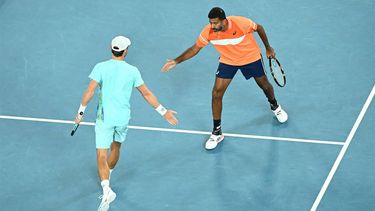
169 116
171 63
78 119
270 53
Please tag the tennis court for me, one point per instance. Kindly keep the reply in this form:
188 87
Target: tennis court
321 159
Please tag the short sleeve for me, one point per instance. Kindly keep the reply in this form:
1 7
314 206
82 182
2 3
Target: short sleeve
247 24
96 74
138 79
252 26
203 37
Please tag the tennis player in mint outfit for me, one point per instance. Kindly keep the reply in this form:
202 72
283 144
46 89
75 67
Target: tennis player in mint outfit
116 80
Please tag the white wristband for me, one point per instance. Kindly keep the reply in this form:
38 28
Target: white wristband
81 109
161 110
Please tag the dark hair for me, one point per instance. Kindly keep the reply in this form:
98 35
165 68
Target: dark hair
117 53
216 12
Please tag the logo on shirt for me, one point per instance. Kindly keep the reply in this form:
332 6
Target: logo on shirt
235 32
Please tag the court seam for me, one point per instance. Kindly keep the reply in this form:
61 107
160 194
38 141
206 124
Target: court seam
181 131
343 150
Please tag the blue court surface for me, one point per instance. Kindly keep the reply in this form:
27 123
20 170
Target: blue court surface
321 159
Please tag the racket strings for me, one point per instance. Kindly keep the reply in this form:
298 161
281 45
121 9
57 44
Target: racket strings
277 72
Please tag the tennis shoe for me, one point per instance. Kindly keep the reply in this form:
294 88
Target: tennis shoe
107 198
280 114
213 141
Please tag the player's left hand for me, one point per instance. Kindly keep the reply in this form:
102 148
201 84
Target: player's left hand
170 117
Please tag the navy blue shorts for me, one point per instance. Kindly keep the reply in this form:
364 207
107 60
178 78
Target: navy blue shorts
254 69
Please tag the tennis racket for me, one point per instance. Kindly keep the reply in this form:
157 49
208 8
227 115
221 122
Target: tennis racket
277 72
74 129
76 125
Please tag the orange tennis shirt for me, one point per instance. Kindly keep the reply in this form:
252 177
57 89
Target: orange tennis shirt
237 45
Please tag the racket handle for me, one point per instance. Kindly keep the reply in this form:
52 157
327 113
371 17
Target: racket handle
74 129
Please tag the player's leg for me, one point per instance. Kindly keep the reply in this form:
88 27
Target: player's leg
115 154
218 91
103 169
267 88
224 76
119 137
103 138
256 70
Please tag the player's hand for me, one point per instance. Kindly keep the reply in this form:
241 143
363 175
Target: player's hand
78 119
270 53
169 116
171 63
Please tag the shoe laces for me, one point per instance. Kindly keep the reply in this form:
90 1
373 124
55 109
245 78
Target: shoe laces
213 141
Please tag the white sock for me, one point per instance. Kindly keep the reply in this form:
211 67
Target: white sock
105 185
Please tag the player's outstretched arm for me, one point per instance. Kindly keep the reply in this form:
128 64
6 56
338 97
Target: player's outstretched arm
190 52
169 115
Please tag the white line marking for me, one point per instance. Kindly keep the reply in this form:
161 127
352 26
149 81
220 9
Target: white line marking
181 131
343 150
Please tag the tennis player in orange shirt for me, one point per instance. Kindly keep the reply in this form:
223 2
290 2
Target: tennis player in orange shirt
233 38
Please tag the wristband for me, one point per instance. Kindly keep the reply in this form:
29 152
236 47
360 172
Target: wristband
81 109
161 110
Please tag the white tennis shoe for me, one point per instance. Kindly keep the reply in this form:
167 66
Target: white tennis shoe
107 198
213 141
280 114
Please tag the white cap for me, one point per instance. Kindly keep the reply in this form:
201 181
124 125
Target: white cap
120 43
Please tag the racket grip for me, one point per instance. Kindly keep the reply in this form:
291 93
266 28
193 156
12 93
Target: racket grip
75 127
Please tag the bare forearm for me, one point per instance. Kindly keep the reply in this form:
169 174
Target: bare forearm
263 36
87 96
89 93
189 53
151 99
85 100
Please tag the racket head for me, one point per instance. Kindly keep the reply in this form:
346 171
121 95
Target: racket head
75 127
277 72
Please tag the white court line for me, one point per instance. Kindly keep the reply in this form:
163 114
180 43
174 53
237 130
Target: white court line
182 131
343 150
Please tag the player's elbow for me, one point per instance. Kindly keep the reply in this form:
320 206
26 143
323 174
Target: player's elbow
147 94
195 49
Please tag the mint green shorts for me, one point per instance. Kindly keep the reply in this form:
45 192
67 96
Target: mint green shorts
105 134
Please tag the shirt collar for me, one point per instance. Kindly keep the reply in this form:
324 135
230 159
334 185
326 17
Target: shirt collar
229 24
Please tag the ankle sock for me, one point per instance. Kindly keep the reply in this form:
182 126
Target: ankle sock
217 127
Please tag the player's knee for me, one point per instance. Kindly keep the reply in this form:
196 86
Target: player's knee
101 155
217 94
